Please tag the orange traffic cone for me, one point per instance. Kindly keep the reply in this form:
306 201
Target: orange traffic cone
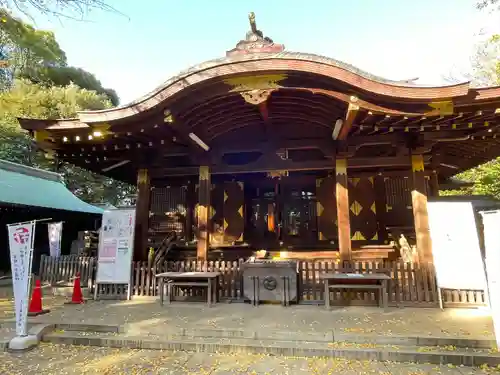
77 297
35 307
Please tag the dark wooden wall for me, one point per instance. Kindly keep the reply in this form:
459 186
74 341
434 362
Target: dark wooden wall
234 211
326 209
168 209
376 202
174 209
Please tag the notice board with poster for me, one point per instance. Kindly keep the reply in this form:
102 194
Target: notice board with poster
116 246
456 250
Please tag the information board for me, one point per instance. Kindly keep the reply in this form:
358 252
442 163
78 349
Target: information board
455 246
116 246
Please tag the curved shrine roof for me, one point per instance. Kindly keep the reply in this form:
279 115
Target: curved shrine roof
259 91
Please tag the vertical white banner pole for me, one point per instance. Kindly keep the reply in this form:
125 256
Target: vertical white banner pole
30 274
21 244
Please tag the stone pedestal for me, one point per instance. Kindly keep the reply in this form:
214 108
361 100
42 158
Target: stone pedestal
270 277
23 343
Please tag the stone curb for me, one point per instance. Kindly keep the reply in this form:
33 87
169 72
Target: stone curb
331 336
102 328
40 330
320 337
4 345
304 349
416 341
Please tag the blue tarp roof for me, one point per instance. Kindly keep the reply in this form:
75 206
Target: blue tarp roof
34 187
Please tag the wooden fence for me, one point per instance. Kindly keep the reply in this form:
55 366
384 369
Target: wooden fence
411 285
62 270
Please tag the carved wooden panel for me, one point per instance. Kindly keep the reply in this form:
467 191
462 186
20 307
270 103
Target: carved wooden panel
363 211
168 209
298 215
398 200
233 211
326 209
215 212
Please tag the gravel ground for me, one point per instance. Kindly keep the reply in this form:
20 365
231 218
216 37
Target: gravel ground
61 360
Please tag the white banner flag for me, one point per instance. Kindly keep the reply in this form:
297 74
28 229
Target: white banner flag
55 234
21 238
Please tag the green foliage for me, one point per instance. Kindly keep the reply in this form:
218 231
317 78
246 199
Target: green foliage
485 72
63 76
36 82
486 62
486 178
27 99
25 49
35 55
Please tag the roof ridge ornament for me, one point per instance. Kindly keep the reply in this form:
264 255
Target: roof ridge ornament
255 42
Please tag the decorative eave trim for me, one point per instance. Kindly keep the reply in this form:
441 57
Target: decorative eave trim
486 93
59 124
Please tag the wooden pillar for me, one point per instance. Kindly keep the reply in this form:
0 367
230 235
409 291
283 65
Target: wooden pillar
420 214
202 234
142 215
190 207
381 207
342 195
434 184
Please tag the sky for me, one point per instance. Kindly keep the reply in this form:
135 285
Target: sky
395 39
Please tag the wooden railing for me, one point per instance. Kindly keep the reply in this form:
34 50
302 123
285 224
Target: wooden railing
411 285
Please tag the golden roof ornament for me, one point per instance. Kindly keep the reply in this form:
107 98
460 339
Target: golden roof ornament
255 41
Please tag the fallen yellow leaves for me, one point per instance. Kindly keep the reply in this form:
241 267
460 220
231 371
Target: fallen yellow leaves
71 360
447 348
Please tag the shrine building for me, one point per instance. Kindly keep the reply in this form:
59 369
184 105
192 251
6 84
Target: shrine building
295 153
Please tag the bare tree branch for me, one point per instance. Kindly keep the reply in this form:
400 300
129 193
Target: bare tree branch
485 4
71 9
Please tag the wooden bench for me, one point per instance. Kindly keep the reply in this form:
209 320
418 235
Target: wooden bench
190 280
377 281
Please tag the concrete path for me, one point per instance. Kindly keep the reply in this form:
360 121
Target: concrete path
146 316
60 360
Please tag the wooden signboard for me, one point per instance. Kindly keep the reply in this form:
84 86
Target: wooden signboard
116 246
